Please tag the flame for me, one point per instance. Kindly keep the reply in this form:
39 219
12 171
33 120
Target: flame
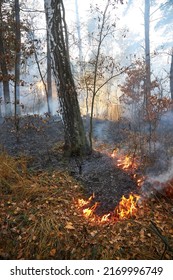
90 211
82 202
127 163
127 206
126 209
105 218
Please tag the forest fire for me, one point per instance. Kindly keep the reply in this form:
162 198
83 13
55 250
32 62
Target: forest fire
129 164
125 162
127 207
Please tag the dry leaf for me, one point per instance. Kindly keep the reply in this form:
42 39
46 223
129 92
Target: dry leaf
32 218
69 225
93 233
52 252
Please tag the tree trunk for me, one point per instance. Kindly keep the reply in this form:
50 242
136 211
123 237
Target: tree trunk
147 53
49 78
147 84
79 39
5 76
171 76
95 74
75 139
0 99
17 60
49 73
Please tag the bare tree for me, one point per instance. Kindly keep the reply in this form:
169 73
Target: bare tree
171 76
147 51
49 70
17 59
75 138
4 68
103 66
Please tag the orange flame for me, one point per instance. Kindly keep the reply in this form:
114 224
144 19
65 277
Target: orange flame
126 209
90 211
127 206
82 202
127 163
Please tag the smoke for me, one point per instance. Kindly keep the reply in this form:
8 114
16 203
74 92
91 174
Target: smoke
160 175
164 177
101 129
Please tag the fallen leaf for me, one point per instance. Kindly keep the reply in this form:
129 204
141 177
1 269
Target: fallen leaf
93 233
69 225
52 252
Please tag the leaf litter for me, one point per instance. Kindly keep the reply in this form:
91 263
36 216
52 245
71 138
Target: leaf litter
40 220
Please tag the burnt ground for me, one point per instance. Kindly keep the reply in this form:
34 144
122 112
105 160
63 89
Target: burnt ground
40 140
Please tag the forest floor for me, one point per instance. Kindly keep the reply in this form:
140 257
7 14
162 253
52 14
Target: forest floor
40 215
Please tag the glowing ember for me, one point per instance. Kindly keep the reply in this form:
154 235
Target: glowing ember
140 181
114 153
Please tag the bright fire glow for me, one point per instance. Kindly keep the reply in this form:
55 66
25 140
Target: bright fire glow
127 206
127 163
82 202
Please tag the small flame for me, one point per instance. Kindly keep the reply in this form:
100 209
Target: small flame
127 206
105 218
126 209
88 212
127 163
82 202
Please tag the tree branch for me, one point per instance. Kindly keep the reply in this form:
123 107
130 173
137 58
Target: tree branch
112 77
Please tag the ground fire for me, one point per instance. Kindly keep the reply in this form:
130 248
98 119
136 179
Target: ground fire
127 206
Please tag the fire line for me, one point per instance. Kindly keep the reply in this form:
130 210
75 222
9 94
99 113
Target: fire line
126 208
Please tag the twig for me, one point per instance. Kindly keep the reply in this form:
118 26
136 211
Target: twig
156 230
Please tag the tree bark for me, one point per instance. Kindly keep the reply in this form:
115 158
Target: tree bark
171 76
79 39
49 78
4 70
49 72
17 60
75 139
147 52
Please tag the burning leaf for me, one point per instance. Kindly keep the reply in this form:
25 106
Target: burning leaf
128 206
105 218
